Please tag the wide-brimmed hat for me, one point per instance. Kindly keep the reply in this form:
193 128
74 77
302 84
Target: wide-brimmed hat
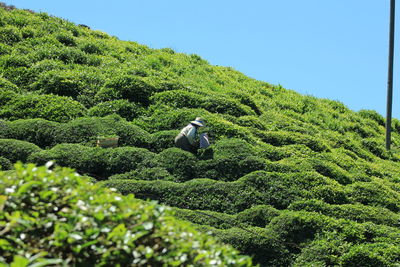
198 121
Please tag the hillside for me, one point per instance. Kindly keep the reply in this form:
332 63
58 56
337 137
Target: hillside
291 180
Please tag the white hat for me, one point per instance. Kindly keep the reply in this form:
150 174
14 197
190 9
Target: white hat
198 121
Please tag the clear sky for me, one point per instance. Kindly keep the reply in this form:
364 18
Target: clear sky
336 49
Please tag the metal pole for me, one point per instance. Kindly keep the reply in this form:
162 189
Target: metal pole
390 76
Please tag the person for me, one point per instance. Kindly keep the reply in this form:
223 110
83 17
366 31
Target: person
188 138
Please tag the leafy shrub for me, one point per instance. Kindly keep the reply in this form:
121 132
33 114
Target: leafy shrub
50 107
5 164
178 162
129 87
72 55
355 212
331 193
16 150
259 216
64 83
281 138
96 161
10 35
99 226
162 140
66 39
375 194
122 107
373 115
7 85
212 103
86 131
233 147
229 168
370 255
156 173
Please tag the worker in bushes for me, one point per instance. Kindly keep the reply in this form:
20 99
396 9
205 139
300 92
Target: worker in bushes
189 139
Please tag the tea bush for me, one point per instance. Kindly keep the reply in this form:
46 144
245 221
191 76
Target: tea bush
132 88
5 164
31 106
86 131
123 108
162 140
155 173
96 161
15 150
356 212
99 226
178 162
37 131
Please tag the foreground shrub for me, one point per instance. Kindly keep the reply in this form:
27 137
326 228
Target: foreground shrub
67 221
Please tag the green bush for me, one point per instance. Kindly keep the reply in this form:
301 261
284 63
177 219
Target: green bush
232 147
96 161
162 140
59 82
37 131
228 169
178 162
15 150
99 227
355 212
155 173
49 107
375 194
86 131
122 107
5 164
132 88
7 85
10 35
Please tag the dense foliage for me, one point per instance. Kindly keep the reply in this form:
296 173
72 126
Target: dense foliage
289 179
56 217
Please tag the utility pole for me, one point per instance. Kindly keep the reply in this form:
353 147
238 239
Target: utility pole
390 76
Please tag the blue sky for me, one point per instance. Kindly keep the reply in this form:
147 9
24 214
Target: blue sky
336 49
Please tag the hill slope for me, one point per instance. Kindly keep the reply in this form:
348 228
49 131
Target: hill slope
289 179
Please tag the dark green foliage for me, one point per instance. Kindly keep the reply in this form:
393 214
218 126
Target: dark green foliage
122 107
5 164
229 169
155 173
130 87
356 212
178 162
65 83
86 225
374 194
30 106
96 161
16 150
162 140
37 131
86 130
211 103
10 35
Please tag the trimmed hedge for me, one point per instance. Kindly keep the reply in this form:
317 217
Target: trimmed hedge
96 161
15 150
99 227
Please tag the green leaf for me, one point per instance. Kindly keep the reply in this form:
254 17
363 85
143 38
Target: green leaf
19 261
